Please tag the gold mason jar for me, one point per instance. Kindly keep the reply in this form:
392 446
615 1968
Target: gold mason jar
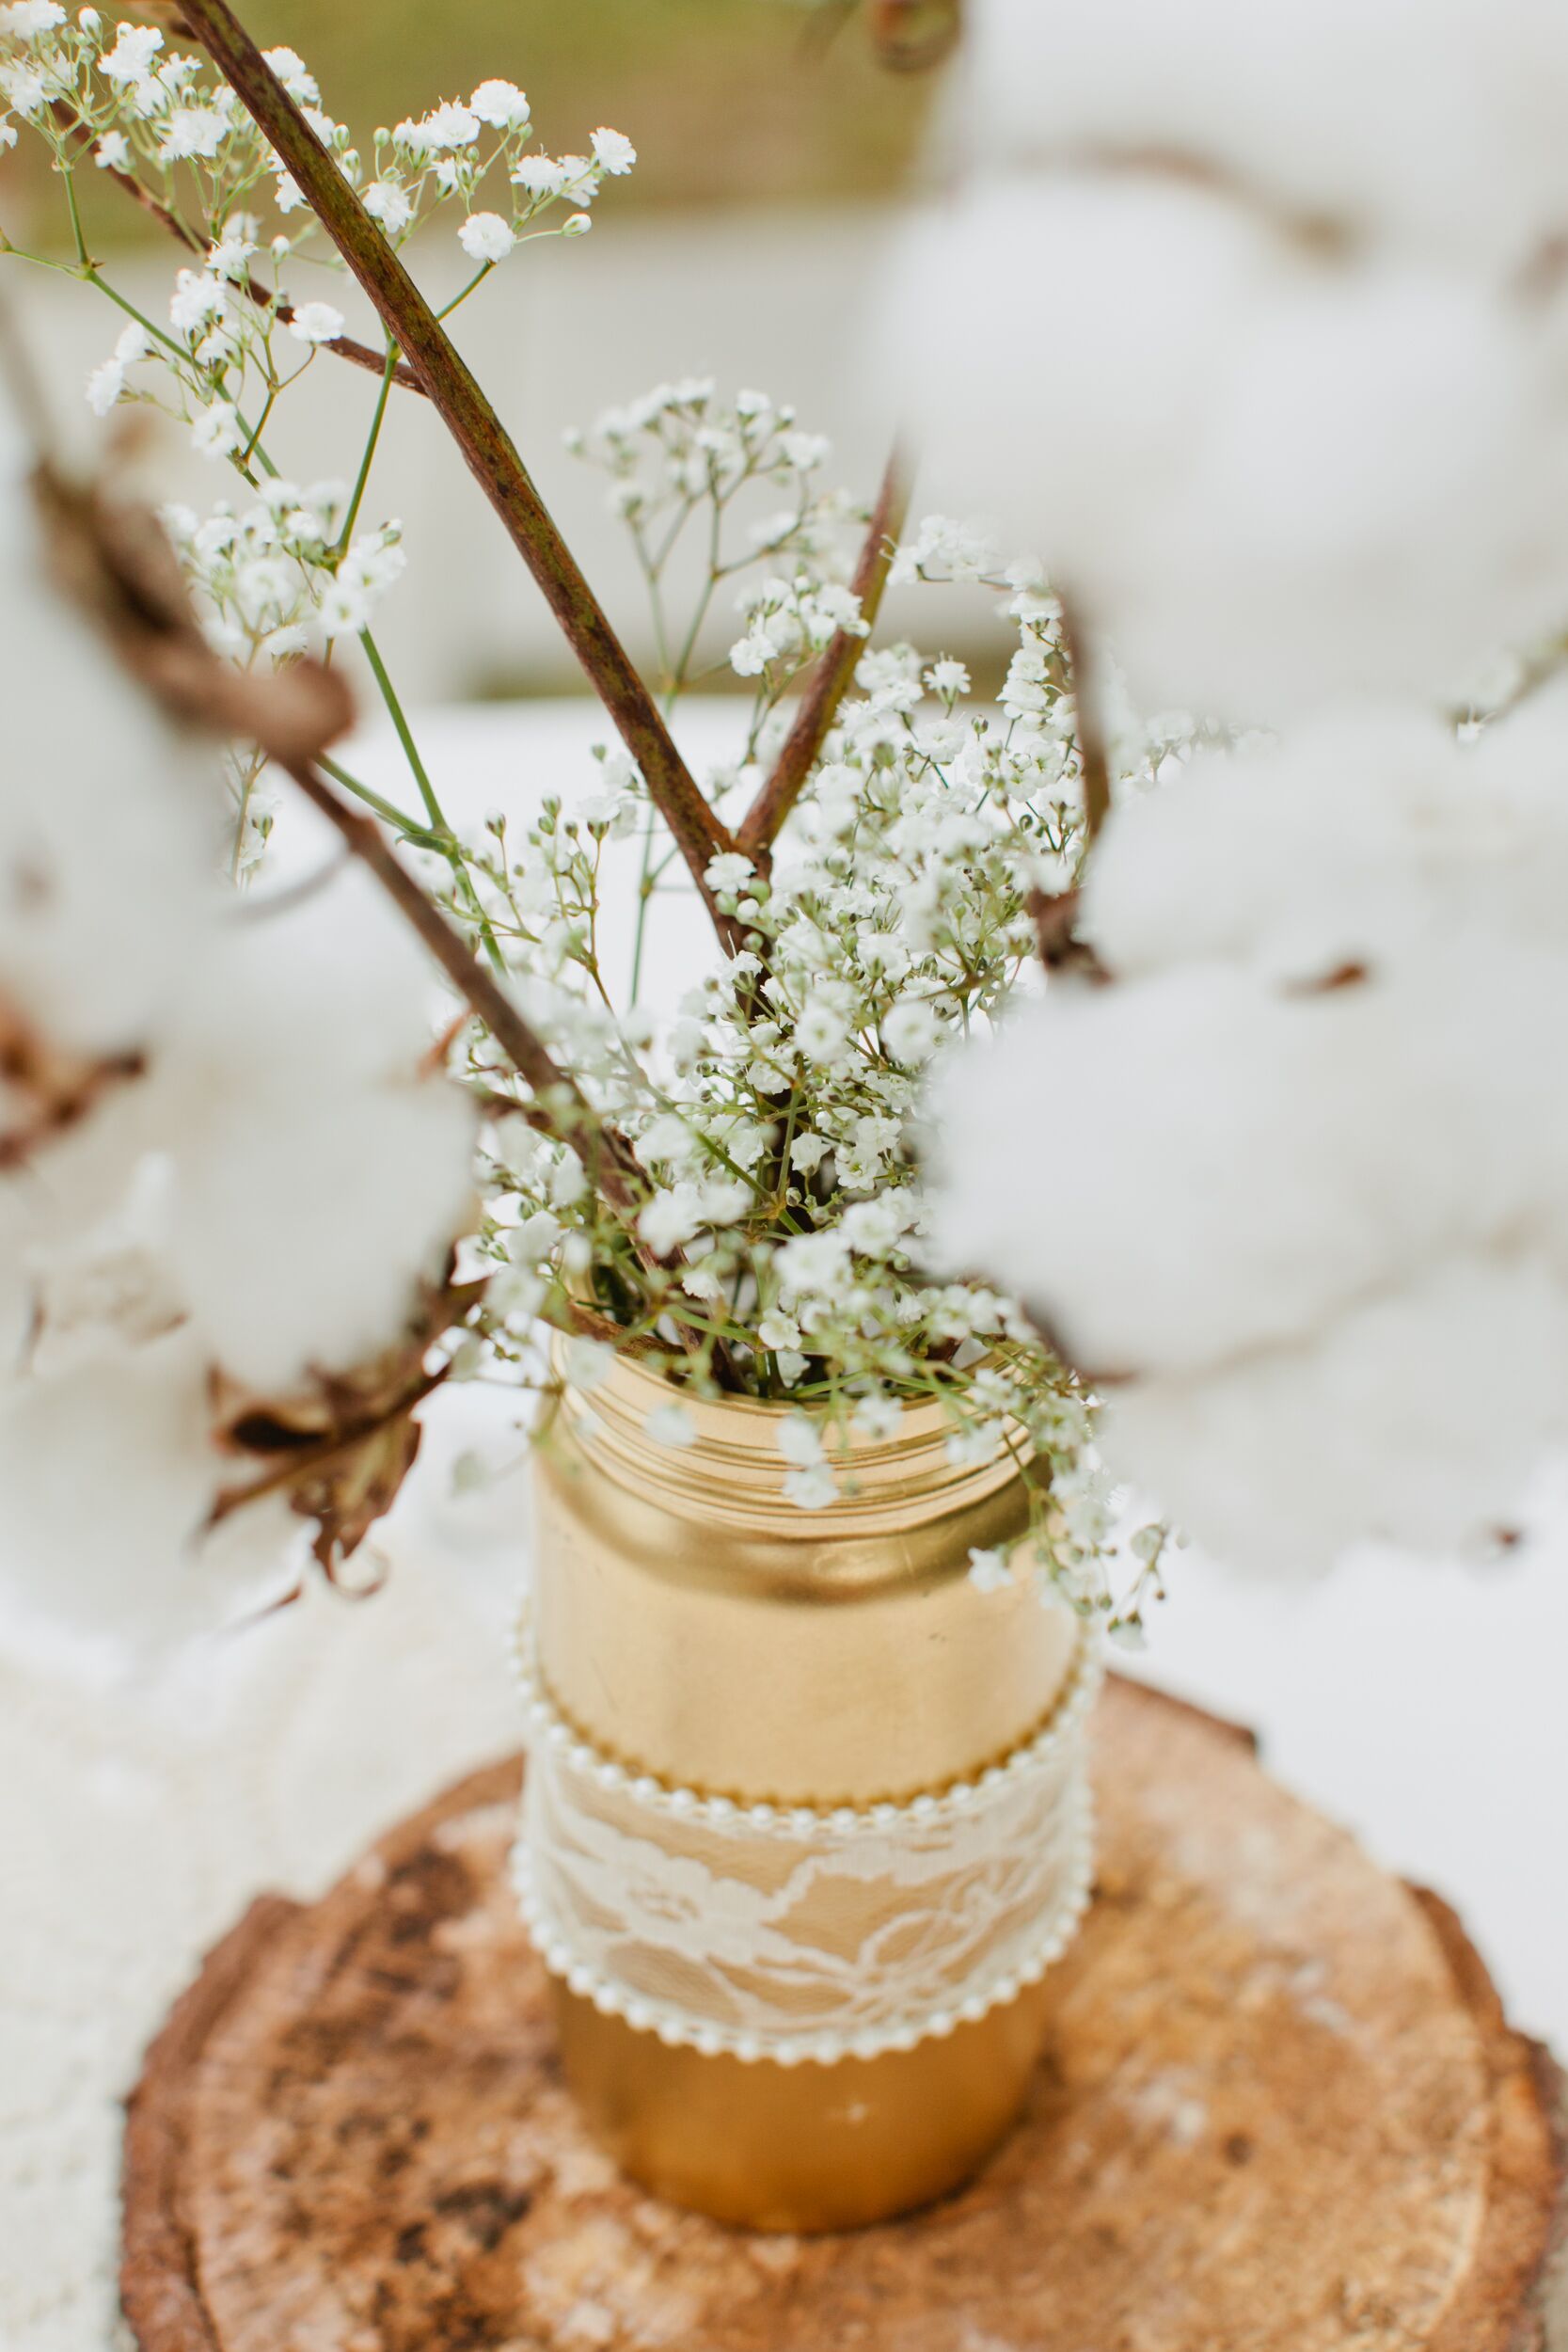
804 1821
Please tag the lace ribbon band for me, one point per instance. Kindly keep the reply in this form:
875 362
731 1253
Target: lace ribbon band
779 1932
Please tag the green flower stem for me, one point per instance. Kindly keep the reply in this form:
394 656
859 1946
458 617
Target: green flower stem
388 376
462 296
69 176
409 827
447 840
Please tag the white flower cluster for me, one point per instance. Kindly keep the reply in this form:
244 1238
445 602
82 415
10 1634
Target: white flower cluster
1314 1166
776 1114
138 108
453 151
219 1166
679 450
1281 399
262 575
281 568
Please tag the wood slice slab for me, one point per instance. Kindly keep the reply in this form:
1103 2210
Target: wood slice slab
1282 2113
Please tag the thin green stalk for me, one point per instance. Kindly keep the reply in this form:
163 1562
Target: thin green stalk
411 752
409 827
387 377
70 178
451 849
477 279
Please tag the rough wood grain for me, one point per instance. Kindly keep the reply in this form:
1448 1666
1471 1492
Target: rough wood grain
1283 2113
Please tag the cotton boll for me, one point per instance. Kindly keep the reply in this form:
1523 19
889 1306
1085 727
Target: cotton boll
109 818
1436 122
1380 485
63 1195
1270 480
1144 1165
335 979
1062 341
309 1218
1293 857
318 1176
1416 1418
1364 836
1174 1171
106 1484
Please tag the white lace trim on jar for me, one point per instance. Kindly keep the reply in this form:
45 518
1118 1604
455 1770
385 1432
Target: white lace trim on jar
782 1932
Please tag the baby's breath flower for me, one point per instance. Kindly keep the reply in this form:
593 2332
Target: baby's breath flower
614 152
501 105
316 323
388 201
989 1570
539 176
295 75
485 237
446 128
216 432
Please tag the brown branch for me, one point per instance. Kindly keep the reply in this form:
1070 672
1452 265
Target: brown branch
1055 920
118 568
831 679
1092 755
603 1150
609 1160
479 434
911 35
568 1113
359 355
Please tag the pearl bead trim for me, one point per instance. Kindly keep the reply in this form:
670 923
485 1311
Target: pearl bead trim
676 2030
546 1725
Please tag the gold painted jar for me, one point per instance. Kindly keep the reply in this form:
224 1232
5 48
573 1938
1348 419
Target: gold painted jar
805 1818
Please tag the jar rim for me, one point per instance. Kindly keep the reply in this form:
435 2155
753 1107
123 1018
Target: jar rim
733 1461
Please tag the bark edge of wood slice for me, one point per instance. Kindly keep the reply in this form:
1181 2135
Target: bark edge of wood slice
1283 2112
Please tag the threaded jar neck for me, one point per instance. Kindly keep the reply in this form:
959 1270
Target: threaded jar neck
734 1470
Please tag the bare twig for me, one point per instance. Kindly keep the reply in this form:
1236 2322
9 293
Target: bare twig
114 561
830 681
120 569
911 35
1055 922
479 433
1091 734
606 1154
359 355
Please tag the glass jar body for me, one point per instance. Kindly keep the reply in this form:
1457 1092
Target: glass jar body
703 1641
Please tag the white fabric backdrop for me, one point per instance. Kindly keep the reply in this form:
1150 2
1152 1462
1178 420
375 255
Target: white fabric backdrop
1422 1705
